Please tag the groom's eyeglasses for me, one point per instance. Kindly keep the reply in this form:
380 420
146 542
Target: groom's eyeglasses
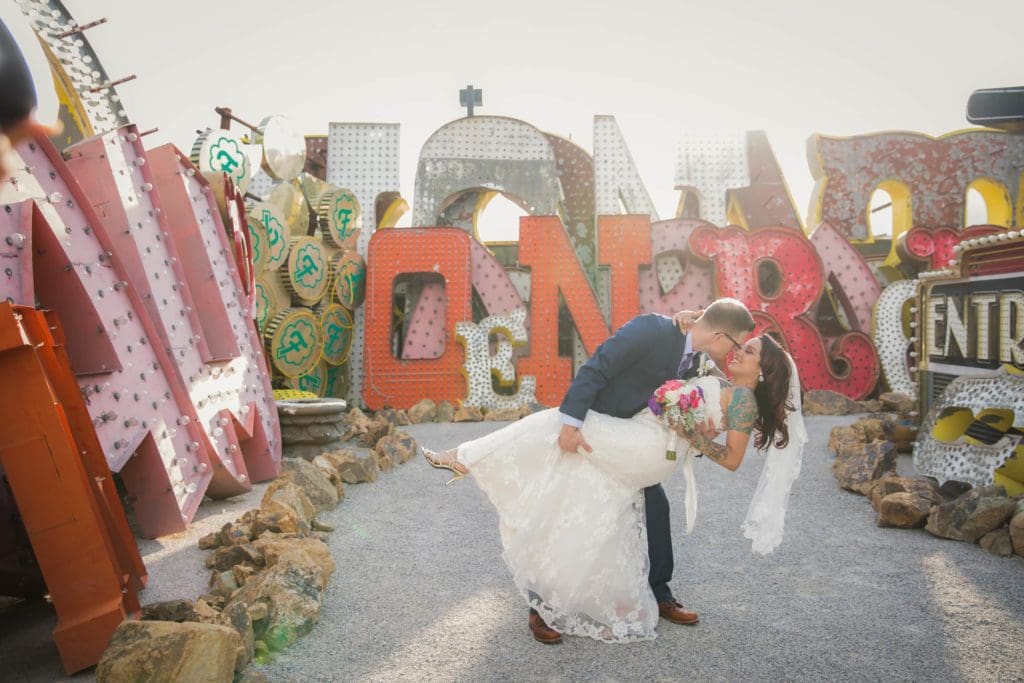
739 347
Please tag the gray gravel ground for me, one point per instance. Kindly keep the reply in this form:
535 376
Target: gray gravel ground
421 592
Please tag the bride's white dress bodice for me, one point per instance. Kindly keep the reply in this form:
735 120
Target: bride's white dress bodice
633 451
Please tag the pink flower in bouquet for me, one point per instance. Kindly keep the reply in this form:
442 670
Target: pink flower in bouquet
679 405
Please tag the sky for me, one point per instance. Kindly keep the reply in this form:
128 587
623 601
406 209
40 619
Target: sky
663 69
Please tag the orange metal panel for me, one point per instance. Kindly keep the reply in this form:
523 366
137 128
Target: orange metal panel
63 492
624 244
389 381
554 268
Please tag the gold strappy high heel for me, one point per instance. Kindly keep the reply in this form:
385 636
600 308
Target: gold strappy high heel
433 459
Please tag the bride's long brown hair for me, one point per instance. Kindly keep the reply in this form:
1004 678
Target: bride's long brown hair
772 396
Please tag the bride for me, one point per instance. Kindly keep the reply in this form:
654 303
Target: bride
572 524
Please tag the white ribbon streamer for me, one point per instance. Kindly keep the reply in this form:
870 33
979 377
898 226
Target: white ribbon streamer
690 499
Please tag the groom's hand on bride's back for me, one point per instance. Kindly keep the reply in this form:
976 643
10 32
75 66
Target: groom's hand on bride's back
570 439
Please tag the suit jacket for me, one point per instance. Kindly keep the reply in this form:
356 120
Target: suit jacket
627 368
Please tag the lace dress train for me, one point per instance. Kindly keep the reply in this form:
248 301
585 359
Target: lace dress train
572 526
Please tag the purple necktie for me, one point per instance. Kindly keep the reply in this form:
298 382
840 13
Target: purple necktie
684 364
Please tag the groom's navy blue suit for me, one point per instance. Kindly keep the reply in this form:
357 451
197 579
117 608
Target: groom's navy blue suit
618 380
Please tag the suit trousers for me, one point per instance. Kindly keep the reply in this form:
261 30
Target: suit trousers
659 541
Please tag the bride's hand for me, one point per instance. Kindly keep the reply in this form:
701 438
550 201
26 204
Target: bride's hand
706 430
684 319
701 433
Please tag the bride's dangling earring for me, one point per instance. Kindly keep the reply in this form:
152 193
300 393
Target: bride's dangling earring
760 377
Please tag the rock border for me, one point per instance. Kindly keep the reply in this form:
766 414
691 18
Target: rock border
865 463
270 566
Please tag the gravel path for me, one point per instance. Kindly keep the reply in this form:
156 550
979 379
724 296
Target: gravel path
421 592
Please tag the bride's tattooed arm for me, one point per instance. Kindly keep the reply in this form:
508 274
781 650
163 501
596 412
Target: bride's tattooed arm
739 418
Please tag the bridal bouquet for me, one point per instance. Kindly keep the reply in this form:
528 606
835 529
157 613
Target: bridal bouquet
679 405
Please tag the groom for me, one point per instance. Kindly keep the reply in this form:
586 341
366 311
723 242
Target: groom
618 380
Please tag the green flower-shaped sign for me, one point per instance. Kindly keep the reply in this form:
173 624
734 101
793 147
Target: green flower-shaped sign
263 305
337 380
337 329
339 215
258 239
277 233
350 287
295 341
315 381
219 151
310 269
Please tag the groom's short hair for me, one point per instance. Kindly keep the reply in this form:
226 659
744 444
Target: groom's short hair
729 316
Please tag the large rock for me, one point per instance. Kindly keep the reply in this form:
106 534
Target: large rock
169 610
1016 529
163 651
235 533
210 541
275 547
317 486
870 406
895 401
329 470
290 594
356 424
903 510
922 488
277 518
353 467
208 609
242 573
858 466
502 415
397 418
843 435
997 542
869 428
222 583
445 411
226 557
825 402
398 448
423 411
468 414
377 430
901 433
236 616
952 488
286 492
972 515
385 460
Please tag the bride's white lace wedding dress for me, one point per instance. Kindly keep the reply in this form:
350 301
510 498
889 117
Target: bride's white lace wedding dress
572 525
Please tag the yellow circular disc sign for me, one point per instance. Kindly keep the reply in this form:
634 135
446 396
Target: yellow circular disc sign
294 341
338 214
309 272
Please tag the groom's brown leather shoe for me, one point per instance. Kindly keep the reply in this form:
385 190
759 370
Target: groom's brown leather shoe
674 612
543 633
